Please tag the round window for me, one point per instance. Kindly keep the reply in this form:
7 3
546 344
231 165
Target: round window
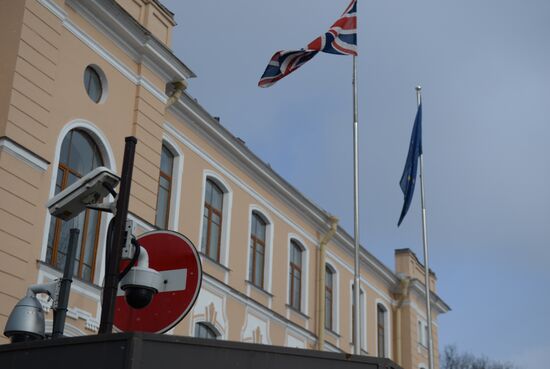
93 83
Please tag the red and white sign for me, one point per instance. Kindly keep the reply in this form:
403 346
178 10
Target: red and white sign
175 257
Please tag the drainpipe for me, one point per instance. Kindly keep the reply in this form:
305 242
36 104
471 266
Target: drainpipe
402 293
178 88
321 282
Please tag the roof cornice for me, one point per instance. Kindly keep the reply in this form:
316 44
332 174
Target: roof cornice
188 109
419 288
135 40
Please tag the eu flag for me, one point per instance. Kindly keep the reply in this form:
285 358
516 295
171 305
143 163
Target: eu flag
408 179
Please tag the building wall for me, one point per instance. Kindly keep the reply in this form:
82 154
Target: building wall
51 42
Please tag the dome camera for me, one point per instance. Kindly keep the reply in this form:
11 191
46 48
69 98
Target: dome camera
140 285
26 321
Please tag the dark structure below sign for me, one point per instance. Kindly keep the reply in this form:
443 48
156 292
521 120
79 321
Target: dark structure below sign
151 351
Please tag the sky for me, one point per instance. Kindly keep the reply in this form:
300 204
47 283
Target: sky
484 66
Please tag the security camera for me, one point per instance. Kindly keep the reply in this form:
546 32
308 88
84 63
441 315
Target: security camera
141 283
26 321
88 190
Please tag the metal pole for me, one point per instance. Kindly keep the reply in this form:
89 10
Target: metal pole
60 312
357 288
114 250
425 242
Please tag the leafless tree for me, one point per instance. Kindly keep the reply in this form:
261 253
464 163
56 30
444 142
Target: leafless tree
451 358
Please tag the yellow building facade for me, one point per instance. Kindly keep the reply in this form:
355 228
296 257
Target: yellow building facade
76 78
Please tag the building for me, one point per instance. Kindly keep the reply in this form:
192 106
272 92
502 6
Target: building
76 78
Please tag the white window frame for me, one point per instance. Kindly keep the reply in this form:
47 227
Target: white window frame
335 296
226 214
387 326
268 252
177 175
363 310
100 139
422 327
304 288
210 326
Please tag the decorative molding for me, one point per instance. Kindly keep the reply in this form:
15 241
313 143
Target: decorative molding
23 154
91 323
261 309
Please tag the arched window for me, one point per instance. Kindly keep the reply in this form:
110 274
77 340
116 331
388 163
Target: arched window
257 249
165 188
381 329
295 275
212 222
203 330
329 293
79 155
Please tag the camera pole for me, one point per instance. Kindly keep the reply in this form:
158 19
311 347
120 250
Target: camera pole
60 312
113 251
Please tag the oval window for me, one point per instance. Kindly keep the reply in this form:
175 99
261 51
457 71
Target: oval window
93 84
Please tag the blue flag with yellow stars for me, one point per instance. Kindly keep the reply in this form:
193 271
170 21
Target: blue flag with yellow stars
408 179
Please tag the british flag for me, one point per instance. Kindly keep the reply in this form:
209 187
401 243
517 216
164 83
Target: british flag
340 39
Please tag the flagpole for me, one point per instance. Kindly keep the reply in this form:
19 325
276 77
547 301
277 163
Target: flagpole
425 242
357 288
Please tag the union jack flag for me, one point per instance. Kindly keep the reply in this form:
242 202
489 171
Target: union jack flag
340 39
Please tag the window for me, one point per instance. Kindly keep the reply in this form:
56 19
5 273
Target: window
212 222
79 155
361 310
257 250
329 289
423 333
204 330
93 83
164 188
295 277
381 330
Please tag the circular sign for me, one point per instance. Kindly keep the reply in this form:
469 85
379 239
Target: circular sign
174 256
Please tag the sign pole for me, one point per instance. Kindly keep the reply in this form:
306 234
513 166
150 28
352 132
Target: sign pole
425 242
114 250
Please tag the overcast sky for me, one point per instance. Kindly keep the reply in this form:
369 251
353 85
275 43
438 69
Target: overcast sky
485 70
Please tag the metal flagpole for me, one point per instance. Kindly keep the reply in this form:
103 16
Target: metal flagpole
425 241
357 287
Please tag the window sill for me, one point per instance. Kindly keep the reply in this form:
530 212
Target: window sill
258 288
332 333
58 273
422 346
294 310
363 351
214 262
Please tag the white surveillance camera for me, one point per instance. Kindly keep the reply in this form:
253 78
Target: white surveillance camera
88 190
140 285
